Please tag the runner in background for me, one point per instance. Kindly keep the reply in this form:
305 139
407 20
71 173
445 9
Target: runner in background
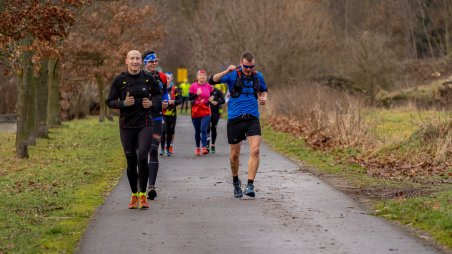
216 100
174 98
150 61
200 92
184 87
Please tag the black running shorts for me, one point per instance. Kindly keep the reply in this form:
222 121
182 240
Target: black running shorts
241 127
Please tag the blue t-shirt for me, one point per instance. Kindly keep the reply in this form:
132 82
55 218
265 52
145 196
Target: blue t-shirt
246 103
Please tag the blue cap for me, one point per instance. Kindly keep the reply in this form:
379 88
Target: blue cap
150 57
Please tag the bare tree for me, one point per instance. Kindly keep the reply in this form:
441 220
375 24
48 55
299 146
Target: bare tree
100 39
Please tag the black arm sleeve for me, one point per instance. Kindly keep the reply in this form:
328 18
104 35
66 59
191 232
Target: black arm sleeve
178 99
220 97
192 96
114 99
156 95
157 103
213 82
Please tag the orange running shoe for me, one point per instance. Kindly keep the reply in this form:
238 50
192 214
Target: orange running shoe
133 202
205 151
198 151
143 200
171 148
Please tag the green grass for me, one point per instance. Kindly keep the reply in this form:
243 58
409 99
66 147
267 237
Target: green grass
432 214
421 212
48 199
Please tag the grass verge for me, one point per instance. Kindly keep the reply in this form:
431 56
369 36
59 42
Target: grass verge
49 198
402 200
432 213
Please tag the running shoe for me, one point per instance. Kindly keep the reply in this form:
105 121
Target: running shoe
143 200
171 149
168 153
162 152
249 191
205 151
237 189
198 151
133 202
212 149
152 194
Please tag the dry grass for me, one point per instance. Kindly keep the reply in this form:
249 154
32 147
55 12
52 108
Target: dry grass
328 119
334 116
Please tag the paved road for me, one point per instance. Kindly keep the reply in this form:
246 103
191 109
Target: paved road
195 211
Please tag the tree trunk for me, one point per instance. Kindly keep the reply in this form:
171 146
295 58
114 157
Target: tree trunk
53 103
421 8
31 107
109 114
109 111
23 87
41 101
100 90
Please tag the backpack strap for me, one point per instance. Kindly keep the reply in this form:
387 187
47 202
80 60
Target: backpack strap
256 84
123 84
238 86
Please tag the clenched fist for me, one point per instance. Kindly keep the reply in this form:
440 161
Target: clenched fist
146 103
129 101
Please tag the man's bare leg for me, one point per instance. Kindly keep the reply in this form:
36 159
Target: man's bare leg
253 163
234 157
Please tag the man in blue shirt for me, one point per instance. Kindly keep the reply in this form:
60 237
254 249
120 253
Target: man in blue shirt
247 89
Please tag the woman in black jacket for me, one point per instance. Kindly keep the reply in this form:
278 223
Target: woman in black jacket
215 101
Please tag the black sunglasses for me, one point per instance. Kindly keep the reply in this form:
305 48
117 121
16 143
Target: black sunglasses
248 66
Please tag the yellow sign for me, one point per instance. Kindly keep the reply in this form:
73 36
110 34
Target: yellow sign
182 74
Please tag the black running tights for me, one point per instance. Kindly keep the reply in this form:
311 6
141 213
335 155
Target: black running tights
136 144
153 155
168 129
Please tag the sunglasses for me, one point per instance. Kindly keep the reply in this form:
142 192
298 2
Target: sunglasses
248 66
155 61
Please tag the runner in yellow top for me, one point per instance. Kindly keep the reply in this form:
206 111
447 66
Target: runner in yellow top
184 87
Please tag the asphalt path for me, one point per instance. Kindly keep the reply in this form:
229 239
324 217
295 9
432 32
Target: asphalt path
195 211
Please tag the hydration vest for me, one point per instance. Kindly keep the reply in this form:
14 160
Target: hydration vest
172 94
240 83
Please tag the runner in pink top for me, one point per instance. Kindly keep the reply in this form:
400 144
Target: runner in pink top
200 94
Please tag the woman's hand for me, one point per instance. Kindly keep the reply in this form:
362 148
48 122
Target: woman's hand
211 99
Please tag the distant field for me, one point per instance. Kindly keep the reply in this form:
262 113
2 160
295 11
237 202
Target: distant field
424 95
394 125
